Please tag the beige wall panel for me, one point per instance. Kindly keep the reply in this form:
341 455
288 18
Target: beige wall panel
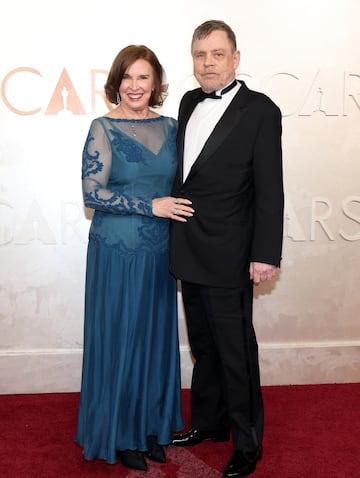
305 55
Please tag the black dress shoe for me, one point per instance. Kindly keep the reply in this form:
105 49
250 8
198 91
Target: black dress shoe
242 463
133 459
155 451
193 437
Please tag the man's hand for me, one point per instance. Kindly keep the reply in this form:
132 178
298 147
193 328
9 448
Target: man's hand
260 272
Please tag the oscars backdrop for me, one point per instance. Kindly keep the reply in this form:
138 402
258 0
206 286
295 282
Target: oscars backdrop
54 60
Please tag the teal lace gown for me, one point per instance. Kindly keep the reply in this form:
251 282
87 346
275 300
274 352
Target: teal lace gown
131 371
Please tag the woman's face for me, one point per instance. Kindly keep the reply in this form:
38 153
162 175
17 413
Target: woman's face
137 85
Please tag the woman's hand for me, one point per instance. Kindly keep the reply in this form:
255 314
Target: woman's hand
172 208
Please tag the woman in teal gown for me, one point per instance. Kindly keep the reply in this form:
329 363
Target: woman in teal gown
130 401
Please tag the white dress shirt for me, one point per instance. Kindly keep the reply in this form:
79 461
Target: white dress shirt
201 123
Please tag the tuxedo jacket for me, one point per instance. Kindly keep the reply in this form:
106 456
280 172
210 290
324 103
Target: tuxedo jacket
236 189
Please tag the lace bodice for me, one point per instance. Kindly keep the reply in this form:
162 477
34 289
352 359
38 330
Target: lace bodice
127 163
105 187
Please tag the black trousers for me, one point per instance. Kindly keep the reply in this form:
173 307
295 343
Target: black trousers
225 389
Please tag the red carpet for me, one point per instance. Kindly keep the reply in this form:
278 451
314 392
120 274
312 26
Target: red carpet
312 431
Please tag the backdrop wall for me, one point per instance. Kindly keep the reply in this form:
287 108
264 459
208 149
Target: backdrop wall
54 60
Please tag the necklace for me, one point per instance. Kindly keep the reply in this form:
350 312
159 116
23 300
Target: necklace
132 128
131 122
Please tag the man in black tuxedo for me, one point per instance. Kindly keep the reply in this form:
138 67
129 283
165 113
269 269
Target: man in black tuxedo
230 168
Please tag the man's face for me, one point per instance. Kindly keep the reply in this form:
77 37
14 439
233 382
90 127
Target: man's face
215 61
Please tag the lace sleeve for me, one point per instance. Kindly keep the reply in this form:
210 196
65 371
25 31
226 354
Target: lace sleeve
96 167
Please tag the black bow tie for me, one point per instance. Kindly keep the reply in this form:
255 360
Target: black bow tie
202 95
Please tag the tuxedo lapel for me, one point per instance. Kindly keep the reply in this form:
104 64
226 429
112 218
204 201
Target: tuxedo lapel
226 124
184 116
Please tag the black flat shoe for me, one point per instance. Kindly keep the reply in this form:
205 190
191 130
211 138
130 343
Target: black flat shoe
133 459
193 437
155 451
242 463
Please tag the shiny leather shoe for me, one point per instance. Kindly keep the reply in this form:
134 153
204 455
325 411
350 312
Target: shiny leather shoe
193 437
242 463
155 451
133 459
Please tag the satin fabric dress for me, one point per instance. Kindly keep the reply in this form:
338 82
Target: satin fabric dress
131 367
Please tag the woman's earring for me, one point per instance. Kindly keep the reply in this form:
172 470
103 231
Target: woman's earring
118 98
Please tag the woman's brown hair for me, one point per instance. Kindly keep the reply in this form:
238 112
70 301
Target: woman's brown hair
126 57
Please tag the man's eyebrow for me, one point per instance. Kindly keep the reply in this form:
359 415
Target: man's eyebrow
216 50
